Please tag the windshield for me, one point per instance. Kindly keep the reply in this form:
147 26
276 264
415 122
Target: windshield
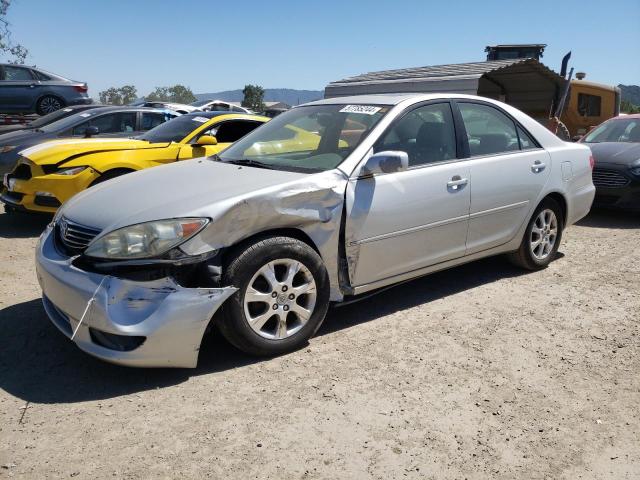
618 130
51 117
67 122
174 130
307 139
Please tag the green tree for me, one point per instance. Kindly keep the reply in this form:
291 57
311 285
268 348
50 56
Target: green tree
253 98
627 107
160 94
176 94
16 52
119 96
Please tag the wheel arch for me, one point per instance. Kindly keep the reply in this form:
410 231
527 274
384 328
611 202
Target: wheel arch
560 199
111 173
291 232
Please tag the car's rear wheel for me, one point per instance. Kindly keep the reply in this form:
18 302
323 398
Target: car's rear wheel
49 104
542 237
282 297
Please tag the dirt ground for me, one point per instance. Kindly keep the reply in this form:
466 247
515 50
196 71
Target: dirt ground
478 372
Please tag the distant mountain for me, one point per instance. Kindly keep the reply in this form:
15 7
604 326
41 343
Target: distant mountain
286 95
630 93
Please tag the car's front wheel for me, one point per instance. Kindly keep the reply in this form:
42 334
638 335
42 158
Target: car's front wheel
282 297
48 104
542 237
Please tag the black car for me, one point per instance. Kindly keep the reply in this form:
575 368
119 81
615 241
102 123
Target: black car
47 119
102 122
616 151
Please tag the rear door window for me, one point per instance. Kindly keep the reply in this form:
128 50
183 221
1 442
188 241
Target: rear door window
489 131
153 119
113 123
16 74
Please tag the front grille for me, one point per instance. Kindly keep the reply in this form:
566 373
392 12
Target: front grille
609 178
21 172
74 237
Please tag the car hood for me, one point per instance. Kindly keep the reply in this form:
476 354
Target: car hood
190 188
56 151
22 137
12 128
621 153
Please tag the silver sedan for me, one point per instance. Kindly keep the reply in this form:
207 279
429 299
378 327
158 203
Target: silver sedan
328 201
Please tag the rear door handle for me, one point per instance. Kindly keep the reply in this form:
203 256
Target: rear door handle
538 166
457 182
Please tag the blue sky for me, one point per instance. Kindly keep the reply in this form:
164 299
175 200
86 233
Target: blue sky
212 46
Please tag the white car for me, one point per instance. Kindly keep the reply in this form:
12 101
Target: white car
176 107
218 106
325 202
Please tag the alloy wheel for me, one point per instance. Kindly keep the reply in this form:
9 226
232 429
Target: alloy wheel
544 234
50 104
280 298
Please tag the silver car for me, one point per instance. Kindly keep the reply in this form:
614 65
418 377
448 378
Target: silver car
327 201
29 89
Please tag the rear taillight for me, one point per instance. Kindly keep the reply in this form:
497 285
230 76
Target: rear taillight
81 88
592 162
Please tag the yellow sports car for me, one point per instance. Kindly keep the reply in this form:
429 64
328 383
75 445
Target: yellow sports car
48 174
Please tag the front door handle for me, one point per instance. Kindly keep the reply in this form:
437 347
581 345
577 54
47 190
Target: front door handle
538 166
457 182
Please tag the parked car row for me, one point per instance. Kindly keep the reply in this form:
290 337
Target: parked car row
325 202
48 174
99 121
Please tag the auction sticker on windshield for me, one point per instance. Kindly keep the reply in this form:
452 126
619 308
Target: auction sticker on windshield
364 109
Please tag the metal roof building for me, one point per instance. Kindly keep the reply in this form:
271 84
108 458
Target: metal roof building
525 83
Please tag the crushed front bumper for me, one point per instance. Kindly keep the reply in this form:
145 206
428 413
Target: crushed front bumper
164 321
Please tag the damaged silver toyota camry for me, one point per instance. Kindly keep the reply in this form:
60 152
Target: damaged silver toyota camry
327 201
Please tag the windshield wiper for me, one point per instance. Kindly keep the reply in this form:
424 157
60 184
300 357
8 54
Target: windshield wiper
250 163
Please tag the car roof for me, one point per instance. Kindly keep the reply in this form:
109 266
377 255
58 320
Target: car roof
216 114
123 108
393 98
626 115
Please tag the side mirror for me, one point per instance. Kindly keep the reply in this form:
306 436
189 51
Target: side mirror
91 131
389 161
207 140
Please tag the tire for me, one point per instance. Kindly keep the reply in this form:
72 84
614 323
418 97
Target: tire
281 323
48 104
540 244
109 175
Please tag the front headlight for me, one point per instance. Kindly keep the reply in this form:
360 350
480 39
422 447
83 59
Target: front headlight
636 171
145 240
7 148
70 171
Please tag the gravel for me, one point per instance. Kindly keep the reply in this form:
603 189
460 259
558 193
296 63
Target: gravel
482 371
